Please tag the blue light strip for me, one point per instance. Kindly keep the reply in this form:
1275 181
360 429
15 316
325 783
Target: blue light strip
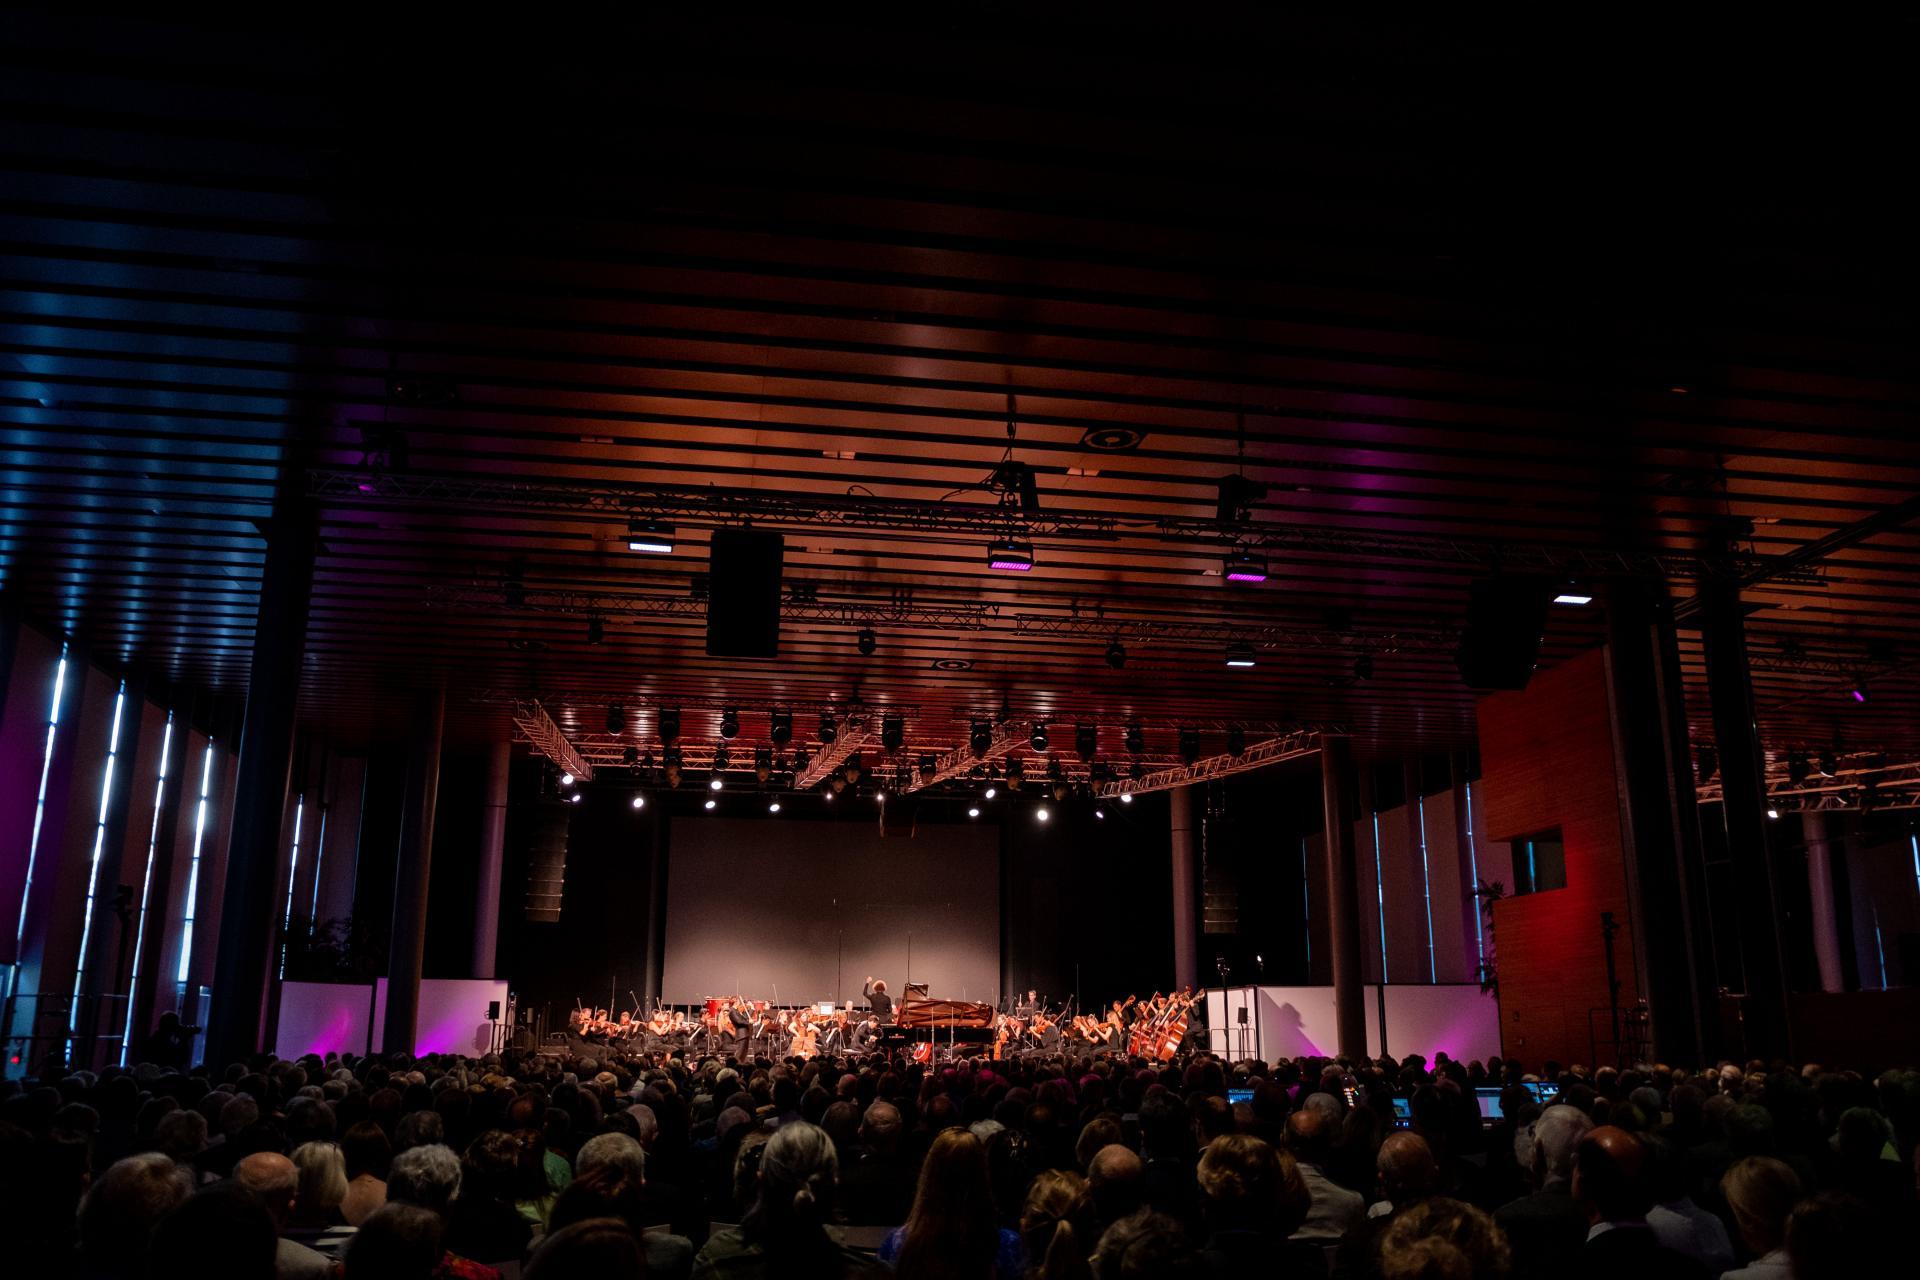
193 872
93 869
1473 869
1914 840
293 875
146 887
1380 896
39 819
1426 879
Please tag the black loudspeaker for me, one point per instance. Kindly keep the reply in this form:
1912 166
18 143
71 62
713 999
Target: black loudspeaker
1505 620
547 862
493 1011
743 594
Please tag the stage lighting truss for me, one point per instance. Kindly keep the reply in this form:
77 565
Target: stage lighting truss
1258 755
1861 780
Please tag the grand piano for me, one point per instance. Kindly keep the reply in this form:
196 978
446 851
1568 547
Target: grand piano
961 1021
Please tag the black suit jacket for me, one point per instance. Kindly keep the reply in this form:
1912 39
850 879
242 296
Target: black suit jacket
1546 1231
880 1002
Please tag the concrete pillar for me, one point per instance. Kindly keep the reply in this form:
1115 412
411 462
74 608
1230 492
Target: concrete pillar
1186 916
1343 900
493 851
247 917
1821 901
1756 921
412 870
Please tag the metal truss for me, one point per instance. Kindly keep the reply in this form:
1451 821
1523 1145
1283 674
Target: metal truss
958 760
538 728
852 738
1267 637
899 609
800 511
1863 780
1259 755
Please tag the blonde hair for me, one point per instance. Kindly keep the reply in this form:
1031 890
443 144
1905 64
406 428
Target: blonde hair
1761 1191
323 1177
1442 1239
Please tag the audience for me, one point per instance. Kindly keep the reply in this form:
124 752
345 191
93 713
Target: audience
1060 1168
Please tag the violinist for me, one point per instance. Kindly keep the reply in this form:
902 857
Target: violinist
742 1024
1045 1032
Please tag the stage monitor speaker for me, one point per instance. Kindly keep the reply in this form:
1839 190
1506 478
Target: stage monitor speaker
743 594
547 862
493 1011
1505 620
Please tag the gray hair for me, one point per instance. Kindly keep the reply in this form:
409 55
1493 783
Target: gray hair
615 1150
427 1176
1546 1146
419 1129
798 1168
645 1121
323 1175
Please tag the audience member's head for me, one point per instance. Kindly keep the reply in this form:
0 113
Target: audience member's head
1116 1184
1144 1246
428 1177
273 1178
1406 1170
1545 1148
1442 1239
1609 1168
616 1149
322 1173
1761 1191
953 1223
122 1208
399 1242
1246 1184
222 1231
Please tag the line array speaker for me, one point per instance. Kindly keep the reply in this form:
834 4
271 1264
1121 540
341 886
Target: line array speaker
547 862
1506 618
743 594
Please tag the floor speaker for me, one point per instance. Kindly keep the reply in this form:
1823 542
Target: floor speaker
743 594
1506 617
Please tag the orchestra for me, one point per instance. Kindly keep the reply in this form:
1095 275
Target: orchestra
1154 1028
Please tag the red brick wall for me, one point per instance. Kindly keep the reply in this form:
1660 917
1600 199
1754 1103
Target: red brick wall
1546 755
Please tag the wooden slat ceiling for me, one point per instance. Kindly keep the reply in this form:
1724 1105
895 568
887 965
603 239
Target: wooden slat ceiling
1455 298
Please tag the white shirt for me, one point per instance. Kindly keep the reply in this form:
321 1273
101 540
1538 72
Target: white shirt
1771 1266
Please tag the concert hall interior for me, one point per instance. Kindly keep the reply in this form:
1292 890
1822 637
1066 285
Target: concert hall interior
615 535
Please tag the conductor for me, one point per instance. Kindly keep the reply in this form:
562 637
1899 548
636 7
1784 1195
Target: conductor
878 1000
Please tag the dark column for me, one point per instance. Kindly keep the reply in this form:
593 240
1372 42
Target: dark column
1343 899
1664 865
247 919
1823 909
1184 901
657 911
412 867
9 643
1756 923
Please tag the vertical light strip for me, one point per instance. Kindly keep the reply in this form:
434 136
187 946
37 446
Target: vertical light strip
1306 904
1880 947
193 869
146 886
1914 840
39 819
1473 869
1426 879
93 869
1380 896
319 862
293 874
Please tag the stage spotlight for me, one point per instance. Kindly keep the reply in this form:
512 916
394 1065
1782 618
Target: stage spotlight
1709 764
1240 655
1100 813
722 759
1244 566
616 719
1797 766
596 631
714 784
1116 654
729 723
575 798
1136 739
832 789
763 763
1236 741
990 793
1061 790
1829 765
1041 814
1237 496
1772 812
828 729
1858 691
671 764
893 732
773 806
1010 556
1189 745
1126 797
639 801
650 536
1086 740
780 730
1038 739
866 641
980 737
1016 774
801 760
1363 667
853 768
566 779
926 770
669 725
974 811
711 805
631 756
